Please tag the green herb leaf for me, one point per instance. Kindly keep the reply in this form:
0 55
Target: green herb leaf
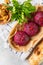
19 11
15 3
9 8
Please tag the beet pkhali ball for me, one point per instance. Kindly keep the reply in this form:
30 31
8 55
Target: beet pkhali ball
21 38
30 28
38 18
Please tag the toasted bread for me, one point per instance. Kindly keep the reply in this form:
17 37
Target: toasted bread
36 57
33 40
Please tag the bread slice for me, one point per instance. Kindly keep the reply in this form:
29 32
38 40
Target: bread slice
36 57
33 40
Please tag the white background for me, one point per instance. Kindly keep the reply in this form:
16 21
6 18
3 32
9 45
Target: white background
7 57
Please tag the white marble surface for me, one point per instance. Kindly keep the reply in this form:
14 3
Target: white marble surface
9 58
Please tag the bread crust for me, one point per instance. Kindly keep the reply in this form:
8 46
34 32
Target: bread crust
37 56
32 42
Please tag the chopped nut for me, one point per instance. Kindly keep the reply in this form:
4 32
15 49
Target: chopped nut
7 1
0 19
4 14
5 17
3 7
0 11
0 6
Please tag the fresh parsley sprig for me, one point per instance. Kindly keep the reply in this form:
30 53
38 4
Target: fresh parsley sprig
20 11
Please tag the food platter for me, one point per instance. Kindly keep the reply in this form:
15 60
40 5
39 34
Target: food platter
5 30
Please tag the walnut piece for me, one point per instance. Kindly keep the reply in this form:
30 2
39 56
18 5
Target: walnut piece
7 1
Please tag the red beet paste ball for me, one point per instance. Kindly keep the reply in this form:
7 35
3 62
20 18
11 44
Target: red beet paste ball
38 18
30 28
21 38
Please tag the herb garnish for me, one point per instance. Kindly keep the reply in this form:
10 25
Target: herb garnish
19 11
